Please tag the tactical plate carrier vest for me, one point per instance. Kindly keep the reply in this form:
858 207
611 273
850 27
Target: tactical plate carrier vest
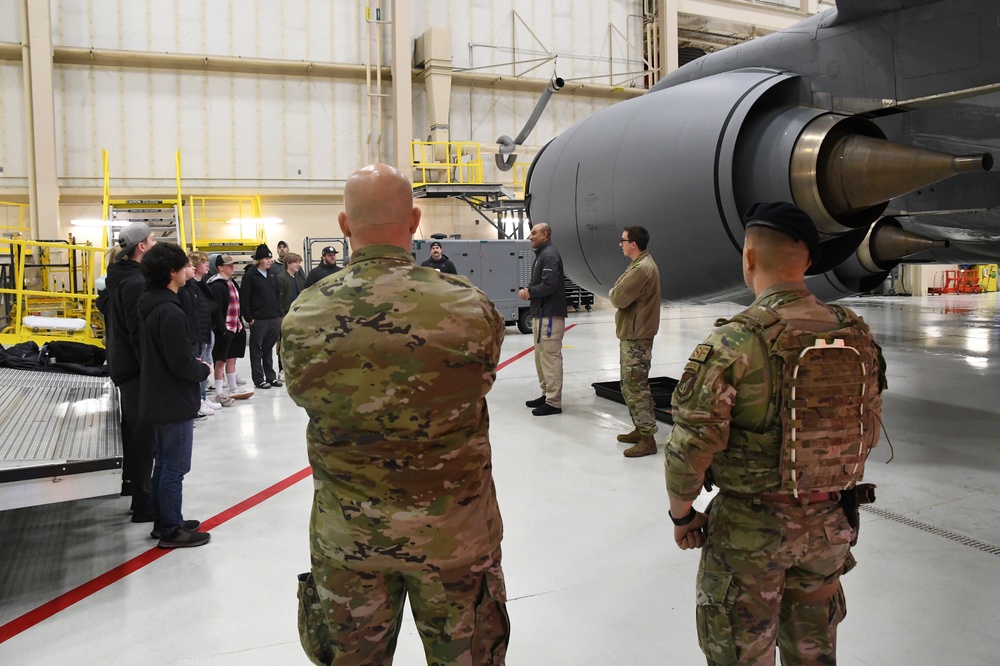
819 382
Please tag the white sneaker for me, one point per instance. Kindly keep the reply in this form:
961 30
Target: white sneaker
225 401
281 375
208 404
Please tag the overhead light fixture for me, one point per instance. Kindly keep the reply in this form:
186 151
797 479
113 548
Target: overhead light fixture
255 220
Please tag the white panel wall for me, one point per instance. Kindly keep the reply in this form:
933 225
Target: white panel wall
12 141
249 131
10 21
12 129
282 29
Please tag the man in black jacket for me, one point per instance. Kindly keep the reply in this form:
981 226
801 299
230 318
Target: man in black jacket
328 266
439 261
124 286
547 293
260 304
280 264
199 306
168 394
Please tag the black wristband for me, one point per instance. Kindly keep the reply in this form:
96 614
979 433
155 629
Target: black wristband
681 522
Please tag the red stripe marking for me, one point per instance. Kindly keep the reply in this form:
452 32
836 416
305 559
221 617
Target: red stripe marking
67 599
47 610
521 354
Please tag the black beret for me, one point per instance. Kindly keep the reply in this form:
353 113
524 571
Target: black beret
788 219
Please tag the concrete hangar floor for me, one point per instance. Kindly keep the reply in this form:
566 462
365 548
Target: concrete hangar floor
592 574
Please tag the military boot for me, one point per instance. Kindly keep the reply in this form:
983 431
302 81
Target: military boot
645 447
631 437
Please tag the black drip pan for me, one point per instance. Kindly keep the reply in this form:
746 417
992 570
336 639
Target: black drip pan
662 389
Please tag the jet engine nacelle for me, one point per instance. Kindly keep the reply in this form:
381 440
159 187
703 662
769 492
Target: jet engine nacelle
687 161
664 161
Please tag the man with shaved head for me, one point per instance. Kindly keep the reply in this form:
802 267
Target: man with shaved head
547 293
392 362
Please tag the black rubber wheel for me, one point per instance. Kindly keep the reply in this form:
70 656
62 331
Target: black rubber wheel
524 320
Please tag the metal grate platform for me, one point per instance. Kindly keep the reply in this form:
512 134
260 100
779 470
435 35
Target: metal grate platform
57 428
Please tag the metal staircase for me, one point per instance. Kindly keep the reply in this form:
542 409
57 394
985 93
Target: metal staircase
161 216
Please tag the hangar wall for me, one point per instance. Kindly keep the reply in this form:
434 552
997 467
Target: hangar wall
293 138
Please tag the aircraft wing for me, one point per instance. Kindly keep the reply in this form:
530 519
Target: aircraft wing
880 118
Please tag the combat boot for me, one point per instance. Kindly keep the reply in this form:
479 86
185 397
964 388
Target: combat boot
633 437
645 447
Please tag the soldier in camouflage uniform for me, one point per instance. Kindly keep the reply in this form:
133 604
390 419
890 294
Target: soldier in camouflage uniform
392 362
772 561
636 294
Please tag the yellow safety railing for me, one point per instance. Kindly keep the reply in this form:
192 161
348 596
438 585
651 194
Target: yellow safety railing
180 203
213 219
23 226
446 162
53 309
106 200
521 176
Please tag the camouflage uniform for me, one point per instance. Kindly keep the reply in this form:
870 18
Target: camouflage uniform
392 362
761 560
636 294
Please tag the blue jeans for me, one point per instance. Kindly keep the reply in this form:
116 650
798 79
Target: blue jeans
173 461
206 356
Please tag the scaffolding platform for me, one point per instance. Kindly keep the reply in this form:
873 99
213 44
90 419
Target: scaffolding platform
61 438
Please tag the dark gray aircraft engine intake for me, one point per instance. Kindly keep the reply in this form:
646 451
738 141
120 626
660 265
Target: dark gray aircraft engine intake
686 161
661 161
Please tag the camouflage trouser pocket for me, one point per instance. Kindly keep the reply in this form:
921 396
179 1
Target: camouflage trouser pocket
492 630
716 594
313 632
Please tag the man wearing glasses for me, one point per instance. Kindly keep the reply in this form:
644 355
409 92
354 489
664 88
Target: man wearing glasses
636 294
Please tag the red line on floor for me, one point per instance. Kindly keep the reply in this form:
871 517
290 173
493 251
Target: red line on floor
47 610
521 354
63 601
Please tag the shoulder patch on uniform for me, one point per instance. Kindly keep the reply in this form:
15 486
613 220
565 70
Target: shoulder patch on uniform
685 386
700 353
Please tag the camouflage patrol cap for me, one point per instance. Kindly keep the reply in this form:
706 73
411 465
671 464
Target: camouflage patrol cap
788 219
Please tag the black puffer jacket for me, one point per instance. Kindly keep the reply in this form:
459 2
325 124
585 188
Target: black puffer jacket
320 272
121 319
198 305
168 386
548 286
260 297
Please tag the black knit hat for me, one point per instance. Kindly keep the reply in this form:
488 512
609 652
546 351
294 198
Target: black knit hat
263 252
788 219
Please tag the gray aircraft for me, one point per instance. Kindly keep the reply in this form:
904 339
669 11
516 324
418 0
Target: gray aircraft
879 118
